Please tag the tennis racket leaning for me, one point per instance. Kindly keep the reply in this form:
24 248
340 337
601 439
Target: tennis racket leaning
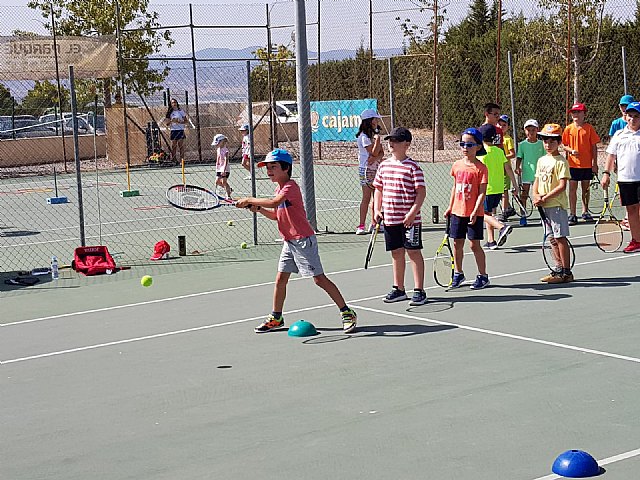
523 209
608 232
372 244
443 260
192 197
548 242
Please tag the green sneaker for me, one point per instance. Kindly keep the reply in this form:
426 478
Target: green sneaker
271 323
349 319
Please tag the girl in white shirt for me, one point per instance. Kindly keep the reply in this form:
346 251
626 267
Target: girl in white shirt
176 118
370 153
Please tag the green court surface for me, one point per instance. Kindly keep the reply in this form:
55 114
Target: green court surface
103 378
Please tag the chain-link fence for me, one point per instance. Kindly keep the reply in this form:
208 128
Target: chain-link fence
429 66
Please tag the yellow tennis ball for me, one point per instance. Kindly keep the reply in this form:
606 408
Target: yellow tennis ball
230 223
244 245
146 281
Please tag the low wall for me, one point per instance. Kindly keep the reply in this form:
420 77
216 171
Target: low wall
44 150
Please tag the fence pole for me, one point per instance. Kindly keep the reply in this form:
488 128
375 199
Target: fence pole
434 91
498 51
514 130
195 82
304 115
370 48
566 100
252 163
123 94
59 87
76 153
624 69
319 78
273 127
392 106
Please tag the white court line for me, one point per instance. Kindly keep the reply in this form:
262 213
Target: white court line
604 461
306 309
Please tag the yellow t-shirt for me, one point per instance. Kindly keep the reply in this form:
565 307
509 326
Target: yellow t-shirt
549 171
507 144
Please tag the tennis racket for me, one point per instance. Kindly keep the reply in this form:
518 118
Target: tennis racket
608 232
191 197
548 242
372 244
594 186
443 261
524 210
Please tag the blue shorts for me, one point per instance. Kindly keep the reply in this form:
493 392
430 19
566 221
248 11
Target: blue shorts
461 228
492 201
177 135
581 174
398 236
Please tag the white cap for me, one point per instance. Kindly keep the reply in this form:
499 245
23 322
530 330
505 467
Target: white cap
217 139
531 123
369 113
245 126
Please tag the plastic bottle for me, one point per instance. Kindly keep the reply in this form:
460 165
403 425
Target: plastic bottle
55 273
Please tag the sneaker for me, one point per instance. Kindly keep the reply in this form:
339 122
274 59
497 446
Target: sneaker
550 276
567 277
632 247
349 318
480 282
419 298
586 216
573 220
458 280
361 230
271 323
624 224
510 212
504 233
490 245
558 277
395 295
523 221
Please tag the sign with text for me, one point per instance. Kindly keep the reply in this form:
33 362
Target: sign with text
33 58
338 120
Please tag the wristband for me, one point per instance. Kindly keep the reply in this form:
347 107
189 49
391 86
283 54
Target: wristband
606 173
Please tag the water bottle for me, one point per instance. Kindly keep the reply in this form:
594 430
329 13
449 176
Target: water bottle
55 273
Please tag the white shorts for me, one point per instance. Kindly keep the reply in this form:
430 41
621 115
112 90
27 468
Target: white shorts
558 221
301 256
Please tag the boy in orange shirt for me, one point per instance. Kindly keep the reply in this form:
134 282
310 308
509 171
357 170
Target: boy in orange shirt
581 146
466 207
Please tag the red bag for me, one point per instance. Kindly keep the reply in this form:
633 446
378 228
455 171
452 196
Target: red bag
93 260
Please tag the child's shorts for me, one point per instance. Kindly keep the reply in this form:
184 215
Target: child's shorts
460 227
367 175
507 183
581 174
223 174
558 221
629 193
492 201
177 135
301 256
398 236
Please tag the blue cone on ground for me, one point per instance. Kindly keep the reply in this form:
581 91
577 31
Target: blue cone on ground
575 464
302 328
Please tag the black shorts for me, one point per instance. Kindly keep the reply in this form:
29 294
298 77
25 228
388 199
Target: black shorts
461 228
397 236
492 201
177 135
581 174
223 174
629 193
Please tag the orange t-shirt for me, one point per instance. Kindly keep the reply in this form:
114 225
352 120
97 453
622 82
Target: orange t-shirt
581 139
468 178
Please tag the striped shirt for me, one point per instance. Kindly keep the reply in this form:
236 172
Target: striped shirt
399 182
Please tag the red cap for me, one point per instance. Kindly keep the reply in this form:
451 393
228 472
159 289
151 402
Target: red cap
578 107
161 250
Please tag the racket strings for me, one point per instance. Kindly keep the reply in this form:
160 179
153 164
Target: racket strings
443 268
608 235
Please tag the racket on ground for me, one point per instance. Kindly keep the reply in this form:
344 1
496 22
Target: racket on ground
443 260
191 197
548 244
608 232
372 244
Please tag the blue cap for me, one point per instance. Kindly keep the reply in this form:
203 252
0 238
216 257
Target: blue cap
627 99
635 106
277 155
245 126
477 136
505 119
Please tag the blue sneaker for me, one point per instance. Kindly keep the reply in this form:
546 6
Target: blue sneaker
523 222
490 245
419 298
458 280
395 295
480 282
504 233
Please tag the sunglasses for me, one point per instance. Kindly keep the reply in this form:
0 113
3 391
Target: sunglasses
469 144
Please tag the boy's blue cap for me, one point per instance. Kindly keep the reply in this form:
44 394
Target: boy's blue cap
505 119
627 99
277 155
635 106
477 136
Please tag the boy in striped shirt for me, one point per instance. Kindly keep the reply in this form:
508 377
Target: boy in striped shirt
399 193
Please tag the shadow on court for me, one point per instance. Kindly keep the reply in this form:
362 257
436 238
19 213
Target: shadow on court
475 298
579 282
387 330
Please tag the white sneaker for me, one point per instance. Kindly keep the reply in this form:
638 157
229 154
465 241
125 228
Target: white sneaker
361 230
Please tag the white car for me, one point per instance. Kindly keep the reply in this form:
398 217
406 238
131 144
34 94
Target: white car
286 112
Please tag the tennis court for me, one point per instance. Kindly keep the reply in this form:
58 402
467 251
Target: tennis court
107 379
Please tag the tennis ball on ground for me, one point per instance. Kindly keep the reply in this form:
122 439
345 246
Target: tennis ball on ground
244 245
230 223
146 281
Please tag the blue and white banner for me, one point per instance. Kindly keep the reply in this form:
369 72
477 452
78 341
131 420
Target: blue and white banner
338 120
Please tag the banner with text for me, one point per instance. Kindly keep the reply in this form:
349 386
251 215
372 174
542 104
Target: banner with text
338 120
34 58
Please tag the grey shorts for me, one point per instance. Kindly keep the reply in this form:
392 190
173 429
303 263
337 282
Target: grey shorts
301 256
558 221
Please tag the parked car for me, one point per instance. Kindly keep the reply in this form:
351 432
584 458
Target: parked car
286 112
54 123
22 128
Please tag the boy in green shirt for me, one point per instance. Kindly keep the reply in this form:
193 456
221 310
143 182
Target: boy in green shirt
529 151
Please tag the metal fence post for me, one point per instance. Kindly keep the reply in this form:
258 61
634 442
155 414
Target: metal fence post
76 153
392 106
252 163
624 69
514 130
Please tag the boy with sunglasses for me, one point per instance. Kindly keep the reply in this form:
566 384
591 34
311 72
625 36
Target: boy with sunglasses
466 207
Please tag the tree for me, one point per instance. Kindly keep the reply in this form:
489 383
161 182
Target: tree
42 96
280 67
98 17
6 101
